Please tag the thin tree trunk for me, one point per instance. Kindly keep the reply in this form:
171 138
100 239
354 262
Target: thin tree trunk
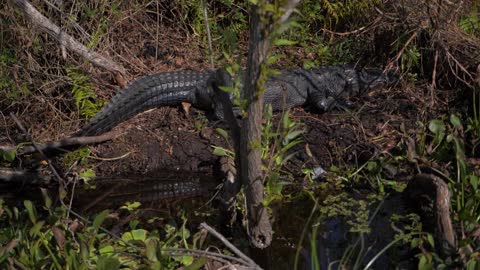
250 170
260 229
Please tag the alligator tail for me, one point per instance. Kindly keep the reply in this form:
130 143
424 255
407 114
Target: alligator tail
164 89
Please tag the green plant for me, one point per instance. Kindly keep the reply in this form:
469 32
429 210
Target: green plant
473 121
448 139
13 90
276 144
410 55
35 237
86 100
444 143
79 155
470 22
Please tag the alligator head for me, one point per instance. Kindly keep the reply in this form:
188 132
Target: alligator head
370 79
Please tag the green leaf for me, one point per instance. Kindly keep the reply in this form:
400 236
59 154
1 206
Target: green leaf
46 198
436 126
197 264
284 42
274 58
268 111
455 121
294 134
106 250
99 219
372 166
139 234
219 151
187 260
474 181
286 120
227 89
472 264
151 249
222 152
31 211
430 240
130 206
222 132
107 263
87 175
415 243
135 235
35 230
424 263
8 156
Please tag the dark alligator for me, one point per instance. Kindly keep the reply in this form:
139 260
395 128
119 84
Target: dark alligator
321 88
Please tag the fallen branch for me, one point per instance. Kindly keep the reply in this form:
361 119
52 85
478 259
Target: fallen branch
227 243
10 175
68 41
22 150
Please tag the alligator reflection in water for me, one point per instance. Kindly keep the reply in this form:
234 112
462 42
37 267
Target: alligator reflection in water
115 191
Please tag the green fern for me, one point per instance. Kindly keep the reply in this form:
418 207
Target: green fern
86 101
471 22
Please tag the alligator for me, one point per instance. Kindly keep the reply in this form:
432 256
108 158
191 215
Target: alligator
322 88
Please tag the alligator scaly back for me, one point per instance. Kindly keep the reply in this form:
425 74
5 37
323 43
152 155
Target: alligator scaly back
163 89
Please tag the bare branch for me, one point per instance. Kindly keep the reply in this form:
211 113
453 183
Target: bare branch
65 39
22 150
289 7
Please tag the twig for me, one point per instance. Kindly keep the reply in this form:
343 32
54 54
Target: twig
111 159
227 243
75 24
209 36
434 79
356 31
35 146
459 65
157 28
289 7
65 39
400 53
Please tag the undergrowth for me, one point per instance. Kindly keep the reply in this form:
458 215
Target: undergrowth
86 101
49 236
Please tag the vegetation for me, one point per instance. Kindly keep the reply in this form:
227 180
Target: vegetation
50 236
344 168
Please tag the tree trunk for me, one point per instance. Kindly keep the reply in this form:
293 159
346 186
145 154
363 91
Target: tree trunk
260 229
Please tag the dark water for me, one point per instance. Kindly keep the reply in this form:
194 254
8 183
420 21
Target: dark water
333 239
290 220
